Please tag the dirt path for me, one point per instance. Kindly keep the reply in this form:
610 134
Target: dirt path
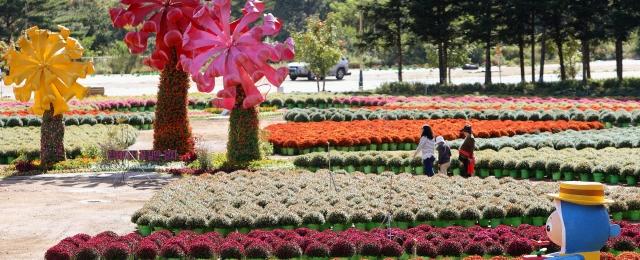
37 212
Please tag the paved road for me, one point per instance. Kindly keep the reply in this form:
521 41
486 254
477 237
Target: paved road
131 85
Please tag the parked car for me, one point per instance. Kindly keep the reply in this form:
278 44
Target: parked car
470 67
301 70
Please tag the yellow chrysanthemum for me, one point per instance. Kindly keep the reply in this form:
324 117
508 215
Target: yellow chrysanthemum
46 64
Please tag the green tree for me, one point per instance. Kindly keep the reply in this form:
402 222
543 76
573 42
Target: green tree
317 47
556 20
515 18
586 19
294 13
440 27
18 15
481 26
623 18
387 25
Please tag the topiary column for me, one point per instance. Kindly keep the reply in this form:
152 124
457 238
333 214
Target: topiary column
51 139
171 127
244 133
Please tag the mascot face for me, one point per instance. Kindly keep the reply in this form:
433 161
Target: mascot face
555 228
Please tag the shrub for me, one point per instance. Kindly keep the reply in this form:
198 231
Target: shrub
87 252
519 247
201 249
289 219
514 210
337 217
538 211
58 252
196 222
618 206
265 221
316 249
492 212
470 213
352 160
403 215
172 250
146 250
242 221
448 213
342 248
219 221
390 248
287 250
425 248
177 221
450 247
14 122
425 214
496 163
320 161
370 247
116 251
258 250
231 250
475 248
553 166
302 117
613 169
360 216
633 204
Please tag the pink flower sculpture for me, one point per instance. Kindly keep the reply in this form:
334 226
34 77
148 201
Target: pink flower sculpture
213 46
166 18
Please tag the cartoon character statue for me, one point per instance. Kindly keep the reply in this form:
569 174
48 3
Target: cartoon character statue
580 224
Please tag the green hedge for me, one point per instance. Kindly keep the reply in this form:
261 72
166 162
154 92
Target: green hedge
138 120
596 88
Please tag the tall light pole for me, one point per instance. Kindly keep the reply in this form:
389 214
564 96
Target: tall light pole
361 80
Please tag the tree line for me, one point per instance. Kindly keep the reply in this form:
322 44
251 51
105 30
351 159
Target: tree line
392 25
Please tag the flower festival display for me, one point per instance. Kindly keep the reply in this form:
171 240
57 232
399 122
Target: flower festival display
45 67
167 19
236 52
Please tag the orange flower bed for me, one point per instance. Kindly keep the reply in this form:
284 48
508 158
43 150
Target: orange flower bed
358 133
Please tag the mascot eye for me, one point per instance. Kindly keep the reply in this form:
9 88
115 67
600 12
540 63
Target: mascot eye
548 227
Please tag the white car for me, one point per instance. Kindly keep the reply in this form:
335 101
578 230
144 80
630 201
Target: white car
301 69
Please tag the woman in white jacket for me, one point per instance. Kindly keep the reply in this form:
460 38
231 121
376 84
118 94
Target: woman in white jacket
427 147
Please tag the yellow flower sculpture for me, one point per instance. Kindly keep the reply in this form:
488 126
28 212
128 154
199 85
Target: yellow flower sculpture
47 64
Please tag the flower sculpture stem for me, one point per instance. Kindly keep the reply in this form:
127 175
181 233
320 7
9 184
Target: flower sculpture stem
244 131
51 139
172 129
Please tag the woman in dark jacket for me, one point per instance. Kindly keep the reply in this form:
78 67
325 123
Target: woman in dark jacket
466 152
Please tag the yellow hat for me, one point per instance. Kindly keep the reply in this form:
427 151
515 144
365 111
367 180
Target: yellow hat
581 193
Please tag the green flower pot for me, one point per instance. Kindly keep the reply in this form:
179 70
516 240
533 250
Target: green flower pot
393 147
524 174
402 225
351 168
484 222
456 172
244 230
147 127
495 222
407 146
497 173
343 148
634 215
222 231
361 226
384 147
306 151
515 221
288 227
408 169
625 124
439 223
380 169
199 230
526 220
556 176
514 173
617 216
144 230
613 179
335 168
631 180
151 109
414 146
313 227
373 225
368 169
568 176
395 170
158 228
289 151
339 227
419 170
466 223
3 160
540 174
484 173
608 125
585 177
325 226
10 159
538 221
373 147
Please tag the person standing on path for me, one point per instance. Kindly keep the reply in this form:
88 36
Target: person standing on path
427 147
444 155
466 152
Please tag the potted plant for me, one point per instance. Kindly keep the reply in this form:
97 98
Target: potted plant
497 164
380 161
538 214
523 166
304 161
455 166
360 219
494 213
624 119
367 164
378 218
617 209
469 216
613 174
352 162
425 216
514 215
584 169
289 220
633 207
242 223
447 216
407 165
417 164
483 165
197 224
403 218
629 173
220 224
395 163
539 166
313 220
158 222
609 118
265 221
337 162
598 173
177 223
567 171
144 224
553 167
319 161
511 166
339 219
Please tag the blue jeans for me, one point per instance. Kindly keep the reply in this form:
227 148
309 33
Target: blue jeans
428 166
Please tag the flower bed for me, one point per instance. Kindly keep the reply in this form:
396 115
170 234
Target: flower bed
250 200
143 121
609 117
423 241
300 138
614 137
26 140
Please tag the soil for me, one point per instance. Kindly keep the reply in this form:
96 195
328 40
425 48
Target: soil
39 211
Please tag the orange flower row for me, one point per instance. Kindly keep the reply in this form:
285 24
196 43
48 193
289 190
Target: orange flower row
357 133
496 106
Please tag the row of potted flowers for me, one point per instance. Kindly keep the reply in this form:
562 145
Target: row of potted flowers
299 138
416 243
143 121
